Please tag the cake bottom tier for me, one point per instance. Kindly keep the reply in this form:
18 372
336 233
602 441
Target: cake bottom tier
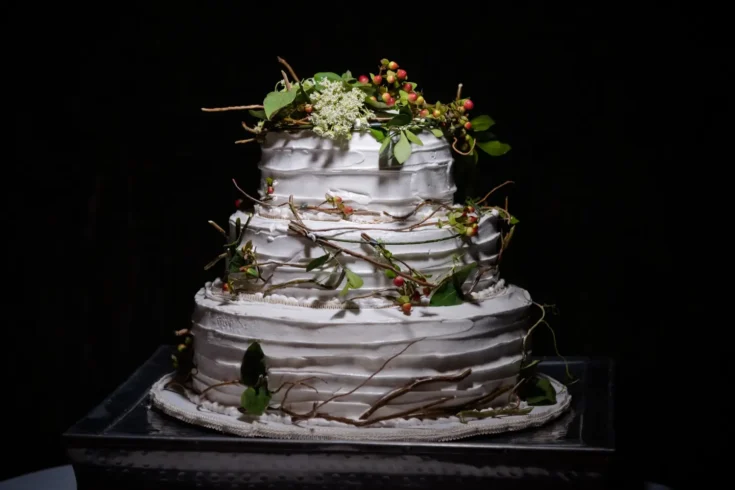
320 353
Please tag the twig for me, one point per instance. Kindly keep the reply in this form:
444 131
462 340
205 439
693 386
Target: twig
285 80
224 383
248 128
233 108
313 411
454 147
308 233
411 386
493 413
290 70
459 91
218 228
248 195
241 142
300 381
493 190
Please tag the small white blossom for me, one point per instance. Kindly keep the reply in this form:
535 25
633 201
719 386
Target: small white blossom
336 111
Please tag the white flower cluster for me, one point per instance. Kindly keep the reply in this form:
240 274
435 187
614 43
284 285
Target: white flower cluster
337 111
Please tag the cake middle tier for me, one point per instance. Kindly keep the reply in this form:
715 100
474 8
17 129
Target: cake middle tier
284 255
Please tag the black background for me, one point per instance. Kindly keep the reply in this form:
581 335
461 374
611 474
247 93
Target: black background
117 172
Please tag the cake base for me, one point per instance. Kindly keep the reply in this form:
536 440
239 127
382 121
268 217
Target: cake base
229 420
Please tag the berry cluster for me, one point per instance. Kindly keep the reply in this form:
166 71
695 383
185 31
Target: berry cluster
410 293
392 85
464 221
183 359
269 190
336 201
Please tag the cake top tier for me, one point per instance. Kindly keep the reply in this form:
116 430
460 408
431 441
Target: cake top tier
387 105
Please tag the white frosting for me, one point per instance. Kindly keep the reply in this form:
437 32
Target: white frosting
274 242
307 166
344 347
310 331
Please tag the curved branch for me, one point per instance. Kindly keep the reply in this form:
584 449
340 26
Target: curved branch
232 108
290 70
454 147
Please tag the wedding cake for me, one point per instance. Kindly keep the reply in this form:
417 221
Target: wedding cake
355 291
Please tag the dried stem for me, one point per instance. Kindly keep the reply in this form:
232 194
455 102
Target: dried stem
290 70
411 386
285 80
181 332
459 91
242 142
218 228
248 195
454 147
301 230
248 128
493 190
224 383
233 108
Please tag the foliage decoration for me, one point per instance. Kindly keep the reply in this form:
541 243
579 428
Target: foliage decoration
385 104
254 400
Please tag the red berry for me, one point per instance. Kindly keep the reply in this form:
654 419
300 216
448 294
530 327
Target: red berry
401 74
407 87
468 125
470 231
270 190
393 65
377 79
472 219
468 104
412 97
398 281
348 210
308 108
475 225
363 79
424 112
225 287
420 100
427 291
437 113
469 209
391 101
416 296
238 203
406 307
386 96
337 199
390 79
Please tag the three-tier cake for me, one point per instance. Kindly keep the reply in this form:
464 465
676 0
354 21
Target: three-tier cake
355 291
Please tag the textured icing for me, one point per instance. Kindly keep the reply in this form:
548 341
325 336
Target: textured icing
275 243
307 167
344 347
310 331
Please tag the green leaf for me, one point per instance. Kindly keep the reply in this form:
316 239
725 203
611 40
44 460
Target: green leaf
260 114
353 280
413 138
538 391
252 272
255 402
347 76
481 123
377 134
400 119
402 149
237 261
390 274
437 132
494 148
404 299
514 220
275 101
384 145
328 75
484 136
403 95
449 293
318 262
253 365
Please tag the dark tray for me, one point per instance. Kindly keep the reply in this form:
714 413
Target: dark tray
123 442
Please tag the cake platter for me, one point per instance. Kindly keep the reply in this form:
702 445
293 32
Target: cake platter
186 405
